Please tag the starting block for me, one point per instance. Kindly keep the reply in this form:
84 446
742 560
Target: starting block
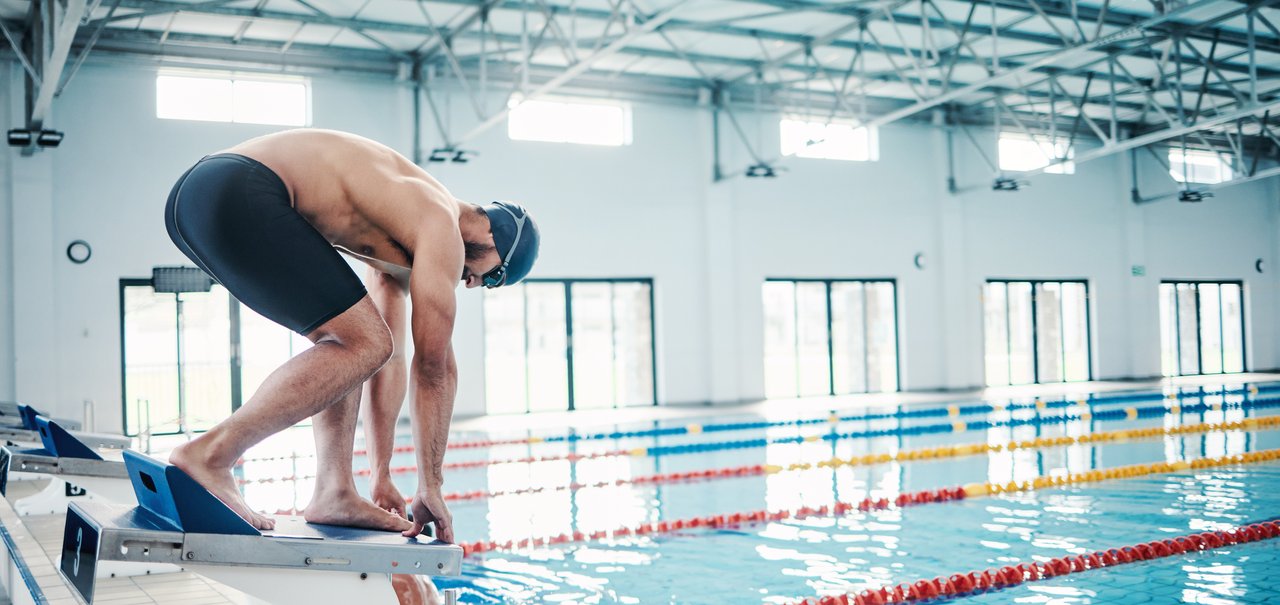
75 470
18 424
18 415
180 523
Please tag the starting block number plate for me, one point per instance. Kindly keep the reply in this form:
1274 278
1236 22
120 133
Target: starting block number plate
79 553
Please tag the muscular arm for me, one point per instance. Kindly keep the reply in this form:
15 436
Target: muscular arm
434 374
384 392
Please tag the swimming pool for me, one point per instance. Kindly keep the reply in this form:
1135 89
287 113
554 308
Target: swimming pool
605 518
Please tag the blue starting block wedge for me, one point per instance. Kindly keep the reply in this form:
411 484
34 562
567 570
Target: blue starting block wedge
175 501
179 522
75 469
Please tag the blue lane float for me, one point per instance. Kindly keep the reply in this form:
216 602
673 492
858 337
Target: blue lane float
977 425
905 414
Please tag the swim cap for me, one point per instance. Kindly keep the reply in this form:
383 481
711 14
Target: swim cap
516 237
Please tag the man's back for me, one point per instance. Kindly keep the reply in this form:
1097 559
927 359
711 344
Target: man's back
337 182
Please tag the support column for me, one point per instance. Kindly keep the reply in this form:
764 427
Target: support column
34 301
723 305
961 337
1142 302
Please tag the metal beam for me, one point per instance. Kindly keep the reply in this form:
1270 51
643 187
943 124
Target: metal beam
1128 34
573 71
1104 15
54 58
443 40
217 7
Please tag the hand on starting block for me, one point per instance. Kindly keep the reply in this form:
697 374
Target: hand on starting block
429 507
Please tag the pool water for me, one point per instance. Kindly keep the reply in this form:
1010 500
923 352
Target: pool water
788 560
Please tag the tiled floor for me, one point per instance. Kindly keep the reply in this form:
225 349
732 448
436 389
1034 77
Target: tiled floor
43 534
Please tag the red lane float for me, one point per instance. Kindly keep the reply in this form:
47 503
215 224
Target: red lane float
719 521
997 578
448 465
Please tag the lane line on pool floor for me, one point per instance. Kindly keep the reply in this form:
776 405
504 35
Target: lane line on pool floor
999 578
841 507
953 411
917 454
1129 413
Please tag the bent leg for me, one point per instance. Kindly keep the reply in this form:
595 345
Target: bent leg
336 501
348 350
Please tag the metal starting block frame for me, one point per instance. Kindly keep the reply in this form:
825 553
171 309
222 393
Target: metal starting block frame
179 522
75 469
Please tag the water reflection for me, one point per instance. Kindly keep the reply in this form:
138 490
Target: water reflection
781 561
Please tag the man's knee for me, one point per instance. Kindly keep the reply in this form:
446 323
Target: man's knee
380 346
362 330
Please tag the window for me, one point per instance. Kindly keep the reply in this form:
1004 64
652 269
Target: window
569 344
585 123
1036 331
806 138
1201 328
190 359
1020 152
284 102
1204 167
830 337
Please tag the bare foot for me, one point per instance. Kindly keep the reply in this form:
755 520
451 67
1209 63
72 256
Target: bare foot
218 481
348 509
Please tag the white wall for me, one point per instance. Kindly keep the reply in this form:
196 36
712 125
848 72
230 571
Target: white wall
645 210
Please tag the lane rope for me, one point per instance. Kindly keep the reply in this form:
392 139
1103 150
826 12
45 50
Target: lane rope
905 499
958 426
999 578
917 454
953 411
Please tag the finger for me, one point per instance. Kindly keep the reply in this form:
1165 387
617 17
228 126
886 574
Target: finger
444 530
413 531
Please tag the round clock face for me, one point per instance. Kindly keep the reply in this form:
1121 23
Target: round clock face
79 252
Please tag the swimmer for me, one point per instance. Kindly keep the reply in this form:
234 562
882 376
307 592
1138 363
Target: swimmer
267 219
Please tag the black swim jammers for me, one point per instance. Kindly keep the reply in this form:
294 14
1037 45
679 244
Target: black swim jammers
232 216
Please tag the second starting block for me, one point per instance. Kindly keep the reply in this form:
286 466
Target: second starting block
178 522
18 423
74 469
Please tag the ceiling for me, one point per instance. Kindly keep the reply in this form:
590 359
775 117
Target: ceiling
1206 72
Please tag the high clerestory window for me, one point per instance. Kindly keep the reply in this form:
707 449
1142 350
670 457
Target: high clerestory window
1020 152
1196 166
813 138
559 121
830 337
230 98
